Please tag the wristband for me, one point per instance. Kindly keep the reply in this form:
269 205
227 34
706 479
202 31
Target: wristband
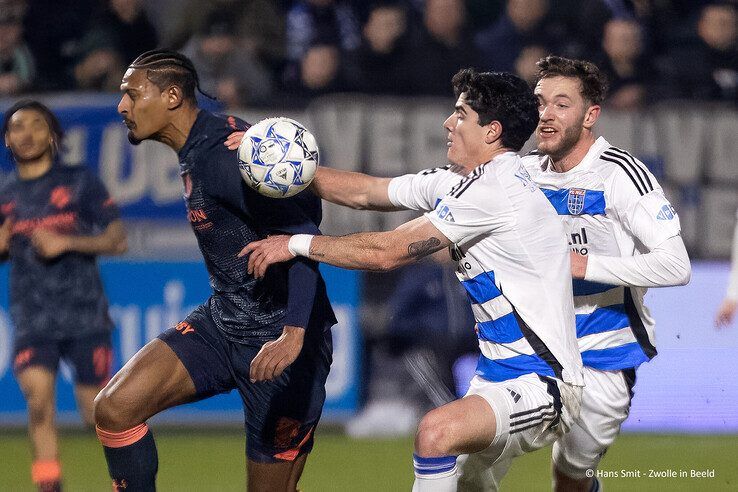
299 244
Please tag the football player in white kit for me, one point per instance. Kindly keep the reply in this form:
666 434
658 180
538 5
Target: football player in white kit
513 261
624 236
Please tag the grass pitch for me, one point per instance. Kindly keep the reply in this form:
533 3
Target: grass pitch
213 459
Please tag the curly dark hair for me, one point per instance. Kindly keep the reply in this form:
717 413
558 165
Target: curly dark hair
594 82
503 97
54 126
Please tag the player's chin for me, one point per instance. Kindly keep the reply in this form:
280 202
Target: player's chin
135 140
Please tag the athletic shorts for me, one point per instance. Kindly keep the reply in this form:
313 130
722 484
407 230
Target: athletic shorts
90 357
531 412
280 415
605 406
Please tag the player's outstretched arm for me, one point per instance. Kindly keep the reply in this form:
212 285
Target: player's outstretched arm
351 189
377 251
112 241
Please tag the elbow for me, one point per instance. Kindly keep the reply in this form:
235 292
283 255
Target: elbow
685 273
121 247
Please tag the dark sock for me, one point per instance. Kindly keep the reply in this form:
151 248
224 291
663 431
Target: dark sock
132 458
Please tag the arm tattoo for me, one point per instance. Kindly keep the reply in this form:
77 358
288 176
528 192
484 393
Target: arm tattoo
420 249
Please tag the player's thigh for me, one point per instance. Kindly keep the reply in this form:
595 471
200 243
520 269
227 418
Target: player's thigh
153 380
281 415
35 367
605 406
462 426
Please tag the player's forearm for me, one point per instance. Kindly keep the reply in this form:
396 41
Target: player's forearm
665 266
362 251
112 241
350 189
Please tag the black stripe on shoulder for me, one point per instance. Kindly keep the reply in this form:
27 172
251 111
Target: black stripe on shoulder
435 170
636 164
628 170
464 184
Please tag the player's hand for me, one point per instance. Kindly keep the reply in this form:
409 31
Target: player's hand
49 244
578 265
726 313
234 140
275 356
6 230
266 252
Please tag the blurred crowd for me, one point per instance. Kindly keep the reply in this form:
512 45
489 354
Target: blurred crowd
263 52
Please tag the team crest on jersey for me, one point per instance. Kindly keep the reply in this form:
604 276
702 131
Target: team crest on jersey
444 213
575 201
60 196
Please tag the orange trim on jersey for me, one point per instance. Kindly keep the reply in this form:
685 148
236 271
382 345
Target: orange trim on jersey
46 471
121 439
291 454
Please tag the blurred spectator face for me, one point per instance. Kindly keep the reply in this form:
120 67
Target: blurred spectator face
319 66
29 136
444 18
384 26
217 46
10 36
525 65
526 14
622 40
127 10
561 110
717 26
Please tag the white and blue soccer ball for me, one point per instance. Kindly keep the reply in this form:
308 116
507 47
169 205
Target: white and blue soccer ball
277 157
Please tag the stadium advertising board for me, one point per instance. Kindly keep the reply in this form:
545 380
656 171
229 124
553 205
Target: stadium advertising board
149 297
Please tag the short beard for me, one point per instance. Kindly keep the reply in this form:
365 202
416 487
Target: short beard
570 139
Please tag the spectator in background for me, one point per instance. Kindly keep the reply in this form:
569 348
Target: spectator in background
53 29
706 67
384 50
319 33
17 69
227 68
729 306
445 45
525 65
624 63
522 24
116 36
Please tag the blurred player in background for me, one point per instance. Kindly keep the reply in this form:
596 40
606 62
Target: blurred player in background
56 220
513 261
625 237
729 306
268 338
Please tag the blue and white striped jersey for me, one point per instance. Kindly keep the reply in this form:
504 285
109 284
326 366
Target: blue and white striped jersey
513 261
610 205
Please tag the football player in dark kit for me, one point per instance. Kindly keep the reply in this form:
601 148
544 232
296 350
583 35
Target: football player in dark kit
270 339
55 220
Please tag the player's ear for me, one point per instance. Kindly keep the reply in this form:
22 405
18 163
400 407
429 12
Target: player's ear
494 132
174 97
590 117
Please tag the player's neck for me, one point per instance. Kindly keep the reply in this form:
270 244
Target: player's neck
176 132
34 168
575 156
488 157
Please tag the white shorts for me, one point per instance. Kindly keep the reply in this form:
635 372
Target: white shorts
605 406
530 413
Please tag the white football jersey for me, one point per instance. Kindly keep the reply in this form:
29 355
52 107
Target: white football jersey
513 261
610 205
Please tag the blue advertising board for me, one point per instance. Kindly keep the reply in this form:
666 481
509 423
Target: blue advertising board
149 297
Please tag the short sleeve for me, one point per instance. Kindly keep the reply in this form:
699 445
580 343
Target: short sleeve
422 191
97 206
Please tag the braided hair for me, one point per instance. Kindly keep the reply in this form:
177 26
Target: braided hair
165 68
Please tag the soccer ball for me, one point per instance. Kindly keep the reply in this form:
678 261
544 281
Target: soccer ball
277 157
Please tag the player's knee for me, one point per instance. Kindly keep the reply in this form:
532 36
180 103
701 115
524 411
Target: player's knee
112 412
434 436
40 410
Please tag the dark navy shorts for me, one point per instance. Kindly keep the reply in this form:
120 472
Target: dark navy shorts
90 357
280 415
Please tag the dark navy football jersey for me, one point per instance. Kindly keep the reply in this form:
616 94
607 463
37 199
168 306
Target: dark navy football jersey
226 215
63 297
